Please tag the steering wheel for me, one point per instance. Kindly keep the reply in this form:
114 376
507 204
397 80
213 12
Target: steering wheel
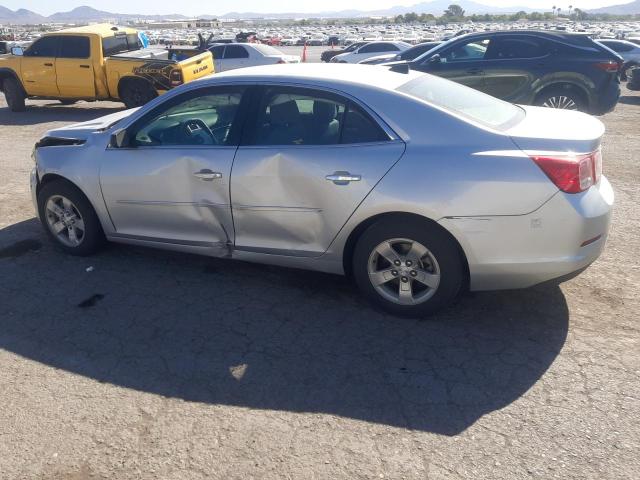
220 132
199 131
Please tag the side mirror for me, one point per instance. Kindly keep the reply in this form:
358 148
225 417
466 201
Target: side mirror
18 51
435 59
119 139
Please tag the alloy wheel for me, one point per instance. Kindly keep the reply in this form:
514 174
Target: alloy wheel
560 101
403 271
64 220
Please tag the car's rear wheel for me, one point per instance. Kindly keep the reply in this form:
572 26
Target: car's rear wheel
408 268
561 98
67 101
136 93
69 218
14 95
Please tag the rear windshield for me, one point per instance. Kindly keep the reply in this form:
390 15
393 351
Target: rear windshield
266 49
467 102
120 43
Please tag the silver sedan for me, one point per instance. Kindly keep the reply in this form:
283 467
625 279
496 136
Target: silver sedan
414 186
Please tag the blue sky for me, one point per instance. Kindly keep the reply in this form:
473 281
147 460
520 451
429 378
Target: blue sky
195 7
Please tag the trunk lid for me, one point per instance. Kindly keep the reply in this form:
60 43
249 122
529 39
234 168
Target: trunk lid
555 130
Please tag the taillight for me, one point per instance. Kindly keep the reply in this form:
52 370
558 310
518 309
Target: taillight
176 78
610 66
572 173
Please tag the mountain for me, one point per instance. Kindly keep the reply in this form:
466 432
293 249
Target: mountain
625 9
89 14
77 15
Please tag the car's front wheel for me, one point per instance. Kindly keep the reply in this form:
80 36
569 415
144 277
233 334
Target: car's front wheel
69 218
408 268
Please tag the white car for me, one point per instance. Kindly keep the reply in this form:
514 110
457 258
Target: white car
371 49
229 56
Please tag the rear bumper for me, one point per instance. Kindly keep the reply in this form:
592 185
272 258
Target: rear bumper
564 236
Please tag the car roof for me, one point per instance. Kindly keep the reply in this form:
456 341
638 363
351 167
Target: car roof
102 29
317 74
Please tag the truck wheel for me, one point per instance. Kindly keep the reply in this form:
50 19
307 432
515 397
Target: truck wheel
14 95
137 93
67 101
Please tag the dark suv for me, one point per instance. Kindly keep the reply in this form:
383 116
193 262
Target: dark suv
553 69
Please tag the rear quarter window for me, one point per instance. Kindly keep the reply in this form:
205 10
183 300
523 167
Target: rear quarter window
464 101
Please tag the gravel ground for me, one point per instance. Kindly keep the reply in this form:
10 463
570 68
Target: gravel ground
157 365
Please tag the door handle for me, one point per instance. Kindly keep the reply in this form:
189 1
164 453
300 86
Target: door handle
207 175
84 66
48 64
343 178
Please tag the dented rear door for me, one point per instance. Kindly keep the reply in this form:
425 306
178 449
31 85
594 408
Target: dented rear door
310 159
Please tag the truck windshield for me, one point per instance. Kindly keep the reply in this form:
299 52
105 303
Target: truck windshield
120 43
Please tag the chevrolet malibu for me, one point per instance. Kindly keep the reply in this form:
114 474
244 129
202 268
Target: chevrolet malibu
414 186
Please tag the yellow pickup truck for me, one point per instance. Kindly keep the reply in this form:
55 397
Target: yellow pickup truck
96 62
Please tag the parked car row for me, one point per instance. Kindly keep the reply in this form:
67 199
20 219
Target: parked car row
548 68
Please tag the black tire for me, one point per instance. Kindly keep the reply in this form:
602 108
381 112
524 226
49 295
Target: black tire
93 238
14 95
135 93
439 244
67 101
558 95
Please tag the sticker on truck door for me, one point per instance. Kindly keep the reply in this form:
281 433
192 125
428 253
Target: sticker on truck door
158 73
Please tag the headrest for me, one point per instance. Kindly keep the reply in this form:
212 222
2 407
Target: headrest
284 113
324 112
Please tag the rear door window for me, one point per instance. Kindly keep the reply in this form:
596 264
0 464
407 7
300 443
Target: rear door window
301 116
370 48
235 51
618 46
74 47
516 47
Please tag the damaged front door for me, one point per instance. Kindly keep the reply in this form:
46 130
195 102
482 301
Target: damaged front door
169 182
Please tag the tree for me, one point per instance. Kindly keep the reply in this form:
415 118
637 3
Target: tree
454 11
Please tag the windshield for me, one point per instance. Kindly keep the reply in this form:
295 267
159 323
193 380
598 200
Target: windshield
467 102
433 50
